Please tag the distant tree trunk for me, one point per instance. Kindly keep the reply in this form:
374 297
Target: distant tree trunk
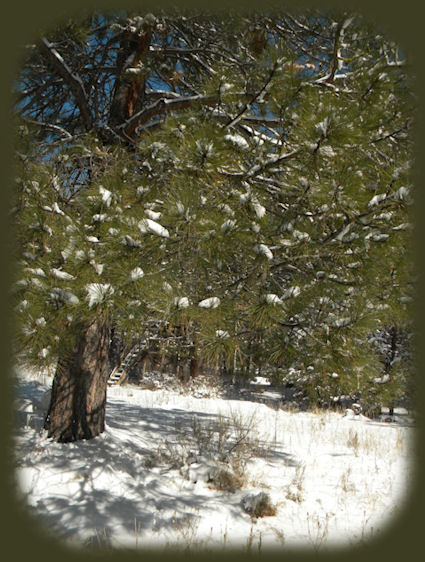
195 361
78 401
115 348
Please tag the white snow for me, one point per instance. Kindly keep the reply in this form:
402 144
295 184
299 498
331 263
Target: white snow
181 302
327 151
93 239
228 226
148 225
98 267
167 287
402 193
180 208
322 127
127 240
57 209
106 196
43 353
270 298
245 197
35 271
259 209
80 255
59 274
377 236
136 273
141 190
263 250
377 199
382 380
334 479
100 217
153 215
61 296
211 302
291 292
237 140
98 292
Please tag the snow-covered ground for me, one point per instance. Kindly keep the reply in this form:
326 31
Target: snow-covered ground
151 479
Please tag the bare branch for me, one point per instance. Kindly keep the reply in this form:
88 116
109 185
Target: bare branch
72 80
256 97
163 106
51 127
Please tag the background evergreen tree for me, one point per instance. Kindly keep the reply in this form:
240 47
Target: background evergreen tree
239 183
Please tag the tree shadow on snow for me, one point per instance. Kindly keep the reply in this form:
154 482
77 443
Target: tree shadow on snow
109 484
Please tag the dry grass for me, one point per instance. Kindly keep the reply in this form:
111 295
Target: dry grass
227 480
295 489
229 442
318 529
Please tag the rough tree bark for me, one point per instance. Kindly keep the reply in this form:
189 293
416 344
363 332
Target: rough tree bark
78 400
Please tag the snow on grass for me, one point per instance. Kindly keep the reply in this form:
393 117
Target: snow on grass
175 470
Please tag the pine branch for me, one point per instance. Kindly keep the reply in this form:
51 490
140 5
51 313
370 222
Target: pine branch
256 97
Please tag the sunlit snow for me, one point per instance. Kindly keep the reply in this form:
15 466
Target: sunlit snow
98 292
263 250
211 302
333 478
148 225
136 273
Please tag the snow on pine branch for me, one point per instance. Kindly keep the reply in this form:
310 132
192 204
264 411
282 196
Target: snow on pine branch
59 274
212 302
237 140
181 302
98 292
263 250
60 296
272 299
106 196
136 273
148 225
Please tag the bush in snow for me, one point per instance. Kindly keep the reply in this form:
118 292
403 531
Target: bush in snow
214 452
258 505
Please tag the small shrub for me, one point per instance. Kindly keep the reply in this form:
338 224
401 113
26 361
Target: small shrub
226 480
259 505
295 488
353 441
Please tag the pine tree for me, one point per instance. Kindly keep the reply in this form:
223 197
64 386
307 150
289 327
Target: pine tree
242 184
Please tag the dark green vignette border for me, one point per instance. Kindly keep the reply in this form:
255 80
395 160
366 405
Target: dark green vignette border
22 21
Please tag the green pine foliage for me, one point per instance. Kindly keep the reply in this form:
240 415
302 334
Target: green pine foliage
275 249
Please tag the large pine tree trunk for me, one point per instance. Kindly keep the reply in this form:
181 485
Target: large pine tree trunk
78 401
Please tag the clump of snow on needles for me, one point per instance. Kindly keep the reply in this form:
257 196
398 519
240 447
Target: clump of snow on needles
377 199
136 273
263 250
211 302
61 296
145 482
238 141
106 196
98 292
153 227
63 275
181 302
270 298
